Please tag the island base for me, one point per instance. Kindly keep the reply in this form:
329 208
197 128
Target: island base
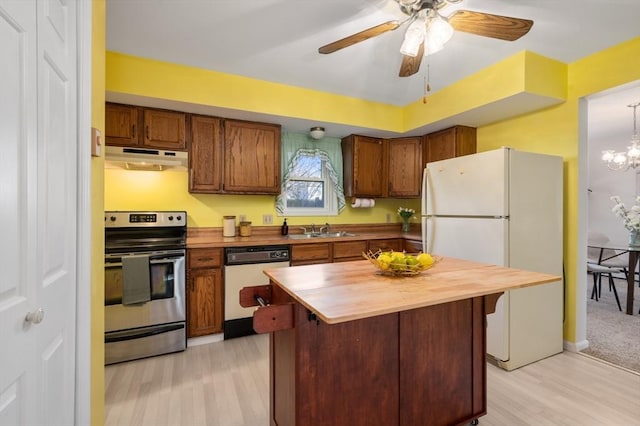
418 367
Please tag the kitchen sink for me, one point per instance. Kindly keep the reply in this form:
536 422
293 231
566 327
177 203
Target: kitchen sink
323 235
338 234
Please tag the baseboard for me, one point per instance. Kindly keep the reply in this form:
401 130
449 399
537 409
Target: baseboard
575 346
203 340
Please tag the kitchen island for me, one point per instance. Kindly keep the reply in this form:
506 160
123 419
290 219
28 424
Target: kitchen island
349 346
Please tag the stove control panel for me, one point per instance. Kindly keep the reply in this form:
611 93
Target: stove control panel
129 219
258 254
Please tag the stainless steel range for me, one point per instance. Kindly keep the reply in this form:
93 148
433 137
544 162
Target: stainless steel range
144 284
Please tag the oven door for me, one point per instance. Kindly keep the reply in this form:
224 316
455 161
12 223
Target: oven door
166 288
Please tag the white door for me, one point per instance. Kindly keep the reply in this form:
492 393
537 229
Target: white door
38 200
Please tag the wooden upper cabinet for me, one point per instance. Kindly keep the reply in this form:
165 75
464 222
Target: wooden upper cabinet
121 125
405 167
251 157
205 154
449 143
164 129
134 126
364 166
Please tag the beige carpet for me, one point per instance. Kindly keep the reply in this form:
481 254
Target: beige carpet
613 335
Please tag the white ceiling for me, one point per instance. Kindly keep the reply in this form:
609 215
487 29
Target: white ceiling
278 40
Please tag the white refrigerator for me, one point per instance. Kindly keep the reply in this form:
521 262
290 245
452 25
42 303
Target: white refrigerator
503 207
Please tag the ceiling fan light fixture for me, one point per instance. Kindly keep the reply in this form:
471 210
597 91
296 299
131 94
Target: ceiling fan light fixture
413 38
438 32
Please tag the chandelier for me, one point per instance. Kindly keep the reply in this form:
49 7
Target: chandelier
631 158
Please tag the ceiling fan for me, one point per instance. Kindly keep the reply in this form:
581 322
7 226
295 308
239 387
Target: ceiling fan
428 30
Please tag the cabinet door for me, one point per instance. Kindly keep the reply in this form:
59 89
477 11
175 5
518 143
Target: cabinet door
449 143
251 157
205 154
405 167
440 145
305 254
121 125
164 129
344 251
364 166
394 244
205 302
412 246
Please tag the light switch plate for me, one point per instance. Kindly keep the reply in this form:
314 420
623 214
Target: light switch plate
96 142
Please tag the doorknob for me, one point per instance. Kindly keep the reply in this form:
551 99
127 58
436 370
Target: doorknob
35 317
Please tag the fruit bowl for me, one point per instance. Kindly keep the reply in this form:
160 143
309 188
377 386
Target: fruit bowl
399 263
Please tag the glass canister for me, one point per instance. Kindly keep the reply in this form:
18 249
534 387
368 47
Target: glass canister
245 229
229 226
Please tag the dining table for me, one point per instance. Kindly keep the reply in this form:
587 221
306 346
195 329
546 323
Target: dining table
633 252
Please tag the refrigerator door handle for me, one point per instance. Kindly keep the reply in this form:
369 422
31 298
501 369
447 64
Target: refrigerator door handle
454 216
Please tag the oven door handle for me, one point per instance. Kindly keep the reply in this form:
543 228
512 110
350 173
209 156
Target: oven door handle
131 335
151 262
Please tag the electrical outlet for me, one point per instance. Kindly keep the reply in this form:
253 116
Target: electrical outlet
243 218
388 217
267 219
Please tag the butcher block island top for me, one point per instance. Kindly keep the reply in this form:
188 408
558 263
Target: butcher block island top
349 346
346 291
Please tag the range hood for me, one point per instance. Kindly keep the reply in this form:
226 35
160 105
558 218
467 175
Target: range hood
144 158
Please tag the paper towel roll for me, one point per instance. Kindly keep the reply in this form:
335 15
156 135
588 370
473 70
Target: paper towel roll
357 203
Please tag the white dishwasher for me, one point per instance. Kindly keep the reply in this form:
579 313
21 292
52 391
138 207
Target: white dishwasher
243 267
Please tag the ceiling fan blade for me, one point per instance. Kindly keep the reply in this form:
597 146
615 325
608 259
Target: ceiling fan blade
358 37
488 25
410 65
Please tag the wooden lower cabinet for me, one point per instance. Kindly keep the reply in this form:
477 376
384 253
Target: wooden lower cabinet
307 254
412 246
391 244
204 292
345 251
419 367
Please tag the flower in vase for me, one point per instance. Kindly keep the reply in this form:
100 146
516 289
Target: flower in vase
406 213
630 217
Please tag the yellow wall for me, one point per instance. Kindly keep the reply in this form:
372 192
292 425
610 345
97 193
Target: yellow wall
162 80
97 213
555 131
151 191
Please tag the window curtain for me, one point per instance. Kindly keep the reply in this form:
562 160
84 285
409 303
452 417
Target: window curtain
329 149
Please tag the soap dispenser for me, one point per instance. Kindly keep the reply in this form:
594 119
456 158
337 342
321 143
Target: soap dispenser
285 228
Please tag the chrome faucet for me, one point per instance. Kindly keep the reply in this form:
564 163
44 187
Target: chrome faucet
304 230
326 227
313 229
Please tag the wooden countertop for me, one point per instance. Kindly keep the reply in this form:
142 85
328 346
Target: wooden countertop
261 236
340 292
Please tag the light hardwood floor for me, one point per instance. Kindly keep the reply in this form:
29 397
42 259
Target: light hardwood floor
227 384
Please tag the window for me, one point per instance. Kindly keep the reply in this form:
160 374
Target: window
311 176
308 190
